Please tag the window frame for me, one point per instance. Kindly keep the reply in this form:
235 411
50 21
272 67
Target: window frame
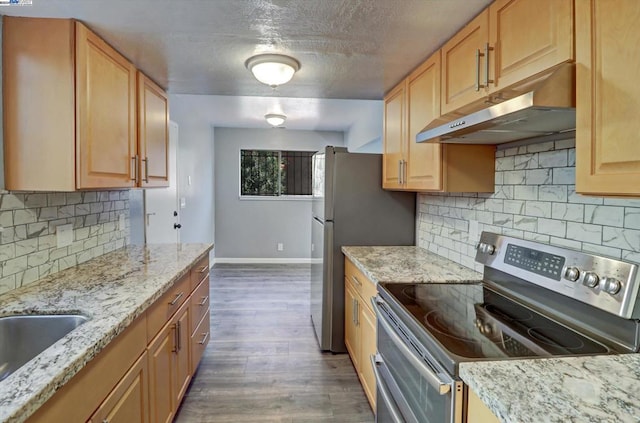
279 196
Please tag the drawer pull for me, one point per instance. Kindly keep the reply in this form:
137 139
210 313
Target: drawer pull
204 338
177 298
204 301
357 282
204 269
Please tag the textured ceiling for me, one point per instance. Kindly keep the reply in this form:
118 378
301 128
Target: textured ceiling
349 49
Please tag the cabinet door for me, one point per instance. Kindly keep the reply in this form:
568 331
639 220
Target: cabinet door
462 68
528 37
368 348
394 133
105 114
424 160
608 98
162 378
153 133
350 326
129 400
182 357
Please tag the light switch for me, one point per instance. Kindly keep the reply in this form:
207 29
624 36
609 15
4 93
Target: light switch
183 202
64 235
121 222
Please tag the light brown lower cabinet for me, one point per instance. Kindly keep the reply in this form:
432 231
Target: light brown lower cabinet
129 400
360 327
477 411
143 374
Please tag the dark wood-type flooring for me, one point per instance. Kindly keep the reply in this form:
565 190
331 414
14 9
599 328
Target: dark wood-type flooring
263 363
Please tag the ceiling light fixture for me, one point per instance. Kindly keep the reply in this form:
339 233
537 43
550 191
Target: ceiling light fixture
274 119
272 69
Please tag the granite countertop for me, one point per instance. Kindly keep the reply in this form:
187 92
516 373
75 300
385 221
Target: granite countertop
112 290
407 264
600 389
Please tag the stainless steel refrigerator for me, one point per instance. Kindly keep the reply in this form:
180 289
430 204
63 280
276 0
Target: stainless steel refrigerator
349 208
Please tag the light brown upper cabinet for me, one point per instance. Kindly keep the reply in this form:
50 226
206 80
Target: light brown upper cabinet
415 166
507 44
70 116
394 130
608 98
527 37
153 133
462 65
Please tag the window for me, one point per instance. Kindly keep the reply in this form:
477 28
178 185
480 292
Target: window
275 173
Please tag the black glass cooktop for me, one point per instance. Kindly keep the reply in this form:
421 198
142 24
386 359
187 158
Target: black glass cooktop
472 321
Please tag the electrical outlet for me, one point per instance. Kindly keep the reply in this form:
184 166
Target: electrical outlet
121 222
280 246
64 235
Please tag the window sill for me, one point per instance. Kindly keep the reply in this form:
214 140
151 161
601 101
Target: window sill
275 198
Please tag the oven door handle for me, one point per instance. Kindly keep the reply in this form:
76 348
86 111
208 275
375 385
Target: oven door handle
384 392
432 378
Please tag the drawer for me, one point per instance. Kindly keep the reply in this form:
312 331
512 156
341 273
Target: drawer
363 285
199 304
199 271
199 340
162 310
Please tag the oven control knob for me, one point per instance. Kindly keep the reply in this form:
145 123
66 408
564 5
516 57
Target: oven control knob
611 285
591 279
485 248
486 329
572 274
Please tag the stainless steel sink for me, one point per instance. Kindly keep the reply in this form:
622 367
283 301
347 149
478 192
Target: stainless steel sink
24 337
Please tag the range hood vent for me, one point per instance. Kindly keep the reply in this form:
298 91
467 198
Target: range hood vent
548 107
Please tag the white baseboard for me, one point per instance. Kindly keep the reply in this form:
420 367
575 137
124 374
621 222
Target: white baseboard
242 260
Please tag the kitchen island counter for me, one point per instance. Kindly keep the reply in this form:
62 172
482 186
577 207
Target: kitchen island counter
407 264
603 389
112 291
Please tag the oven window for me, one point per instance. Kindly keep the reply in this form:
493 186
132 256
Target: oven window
425 402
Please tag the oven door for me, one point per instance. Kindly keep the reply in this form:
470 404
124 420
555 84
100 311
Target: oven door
410 388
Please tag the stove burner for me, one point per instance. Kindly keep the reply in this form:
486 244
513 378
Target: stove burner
410 293
569 340
434 321
510 312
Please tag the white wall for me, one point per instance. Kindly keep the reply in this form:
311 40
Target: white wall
250 229
365 134
195 160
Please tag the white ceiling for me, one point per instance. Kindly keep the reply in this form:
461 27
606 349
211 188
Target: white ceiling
348 49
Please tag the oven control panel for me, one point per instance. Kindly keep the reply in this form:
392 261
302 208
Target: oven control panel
545 264
606 283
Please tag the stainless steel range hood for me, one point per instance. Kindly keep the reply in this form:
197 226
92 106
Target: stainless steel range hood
543 107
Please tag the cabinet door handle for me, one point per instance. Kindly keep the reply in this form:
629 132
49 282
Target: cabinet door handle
176 299
134 167
179 335
204 301
353 310
176 337
204 268
146 169
400 172
204 338
357 312
477 69
487 81
404 171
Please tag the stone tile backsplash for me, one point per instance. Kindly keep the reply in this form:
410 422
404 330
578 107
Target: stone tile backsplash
28 244
534 199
